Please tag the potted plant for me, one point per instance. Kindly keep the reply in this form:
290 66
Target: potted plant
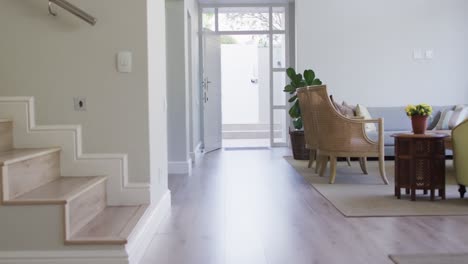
297 135
419 115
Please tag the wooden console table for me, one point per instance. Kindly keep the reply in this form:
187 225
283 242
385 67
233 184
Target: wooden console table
420 164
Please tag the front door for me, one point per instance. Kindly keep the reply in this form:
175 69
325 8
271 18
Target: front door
212 113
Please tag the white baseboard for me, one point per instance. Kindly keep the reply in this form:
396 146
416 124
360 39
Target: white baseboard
64 257
197 154
180 167
147 228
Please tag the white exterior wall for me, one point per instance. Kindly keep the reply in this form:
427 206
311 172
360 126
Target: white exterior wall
244 102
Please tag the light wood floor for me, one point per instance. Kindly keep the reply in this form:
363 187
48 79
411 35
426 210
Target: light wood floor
251 207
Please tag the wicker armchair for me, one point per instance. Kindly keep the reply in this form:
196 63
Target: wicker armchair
460 155
310 130
339 136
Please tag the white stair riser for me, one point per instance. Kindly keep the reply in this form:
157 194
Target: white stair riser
237 127
250 134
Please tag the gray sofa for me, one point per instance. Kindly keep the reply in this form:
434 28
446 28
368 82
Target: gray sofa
396 121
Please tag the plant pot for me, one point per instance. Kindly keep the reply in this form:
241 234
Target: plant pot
300 152
419 124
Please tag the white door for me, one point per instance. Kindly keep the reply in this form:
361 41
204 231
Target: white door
212 112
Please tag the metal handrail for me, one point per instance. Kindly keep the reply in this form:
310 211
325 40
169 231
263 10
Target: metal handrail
72 9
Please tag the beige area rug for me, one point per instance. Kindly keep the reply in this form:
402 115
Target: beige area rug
430 259
357 195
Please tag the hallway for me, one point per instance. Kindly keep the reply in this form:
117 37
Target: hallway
251 207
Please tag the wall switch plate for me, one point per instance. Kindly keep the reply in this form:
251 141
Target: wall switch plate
79 103
124 62
418 54
429 54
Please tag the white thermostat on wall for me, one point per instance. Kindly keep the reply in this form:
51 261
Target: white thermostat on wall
124 61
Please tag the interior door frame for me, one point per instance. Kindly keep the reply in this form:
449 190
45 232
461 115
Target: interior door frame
270 32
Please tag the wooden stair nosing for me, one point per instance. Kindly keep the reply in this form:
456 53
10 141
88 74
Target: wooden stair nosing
75 191
18 155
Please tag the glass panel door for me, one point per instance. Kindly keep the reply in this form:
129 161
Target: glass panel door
255 56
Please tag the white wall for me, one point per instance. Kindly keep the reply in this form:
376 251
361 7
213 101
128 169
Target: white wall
191 7
363 49
183 90
55 59
157 97
177 93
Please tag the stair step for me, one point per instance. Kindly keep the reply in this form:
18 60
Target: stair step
112 226
59 191
27 169
250 134
249 126
18 155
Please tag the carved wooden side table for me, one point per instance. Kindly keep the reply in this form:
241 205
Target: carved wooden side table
420 164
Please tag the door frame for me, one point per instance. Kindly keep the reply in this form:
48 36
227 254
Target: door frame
270 32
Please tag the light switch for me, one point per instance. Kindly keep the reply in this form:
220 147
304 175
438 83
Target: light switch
418 54
429 54
124 61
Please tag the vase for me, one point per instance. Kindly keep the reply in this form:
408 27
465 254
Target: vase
300 152
419 124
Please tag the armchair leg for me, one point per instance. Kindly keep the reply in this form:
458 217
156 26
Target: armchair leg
462 190
348 159
312 157
323 165
318 163
382 169
363 164
332 169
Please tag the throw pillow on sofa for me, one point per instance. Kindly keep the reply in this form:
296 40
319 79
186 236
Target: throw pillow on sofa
444 120
363 112
459 115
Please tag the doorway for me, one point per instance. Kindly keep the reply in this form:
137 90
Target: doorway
244 61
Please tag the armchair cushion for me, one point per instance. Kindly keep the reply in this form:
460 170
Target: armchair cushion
362 111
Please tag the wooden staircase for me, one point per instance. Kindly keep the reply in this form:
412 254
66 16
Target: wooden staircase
32 177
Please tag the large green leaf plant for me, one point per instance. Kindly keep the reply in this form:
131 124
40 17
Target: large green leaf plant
297 81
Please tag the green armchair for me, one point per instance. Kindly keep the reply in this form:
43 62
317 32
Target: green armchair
460 155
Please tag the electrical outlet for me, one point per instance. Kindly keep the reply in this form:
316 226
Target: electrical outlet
79 103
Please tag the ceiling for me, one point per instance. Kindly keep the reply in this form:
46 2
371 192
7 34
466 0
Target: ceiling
244 1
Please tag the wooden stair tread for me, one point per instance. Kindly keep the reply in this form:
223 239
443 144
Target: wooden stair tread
59 191
17 155
112 226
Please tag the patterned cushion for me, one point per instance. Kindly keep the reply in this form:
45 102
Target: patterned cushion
342 109
348 109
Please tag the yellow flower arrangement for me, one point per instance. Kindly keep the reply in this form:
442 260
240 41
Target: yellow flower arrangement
420 109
